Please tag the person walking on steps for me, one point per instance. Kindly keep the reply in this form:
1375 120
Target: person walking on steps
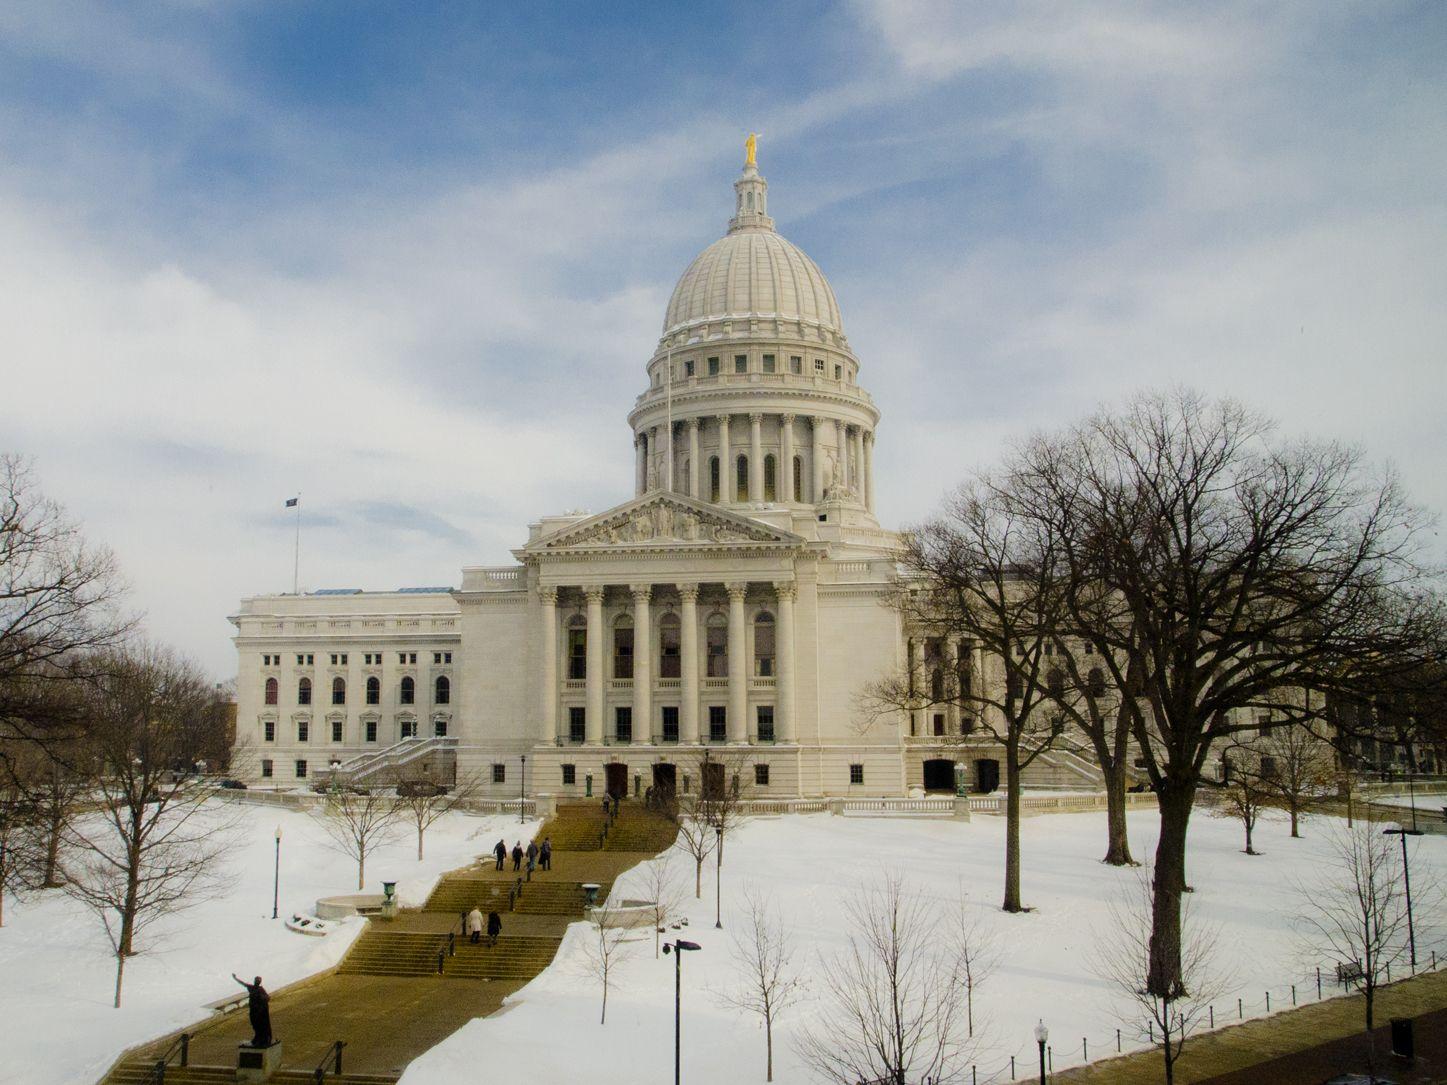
474 925
494 927
517 856
532 854
501 852
545 854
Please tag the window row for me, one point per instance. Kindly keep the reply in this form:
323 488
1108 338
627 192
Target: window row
670 646
715 365
570 776
406 691
668 723
339 659
337 730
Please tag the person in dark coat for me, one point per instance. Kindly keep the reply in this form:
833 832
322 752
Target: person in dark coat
501 852
532 854
494 927
545 854
258 1009
517 856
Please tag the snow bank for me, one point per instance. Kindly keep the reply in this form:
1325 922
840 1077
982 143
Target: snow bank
57 975
809 864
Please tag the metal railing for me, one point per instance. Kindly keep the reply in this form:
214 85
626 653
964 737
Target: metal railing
180 1049
333 1056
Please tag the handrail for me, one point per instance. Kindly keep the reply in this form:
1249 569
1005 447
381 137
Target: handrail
334 1051
158 1071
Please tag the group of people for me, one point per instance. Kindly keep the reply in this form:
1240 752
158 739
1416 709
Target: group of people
538 856
475 926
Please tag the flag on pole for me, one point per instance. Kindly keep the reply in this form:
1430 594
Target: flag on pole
292 502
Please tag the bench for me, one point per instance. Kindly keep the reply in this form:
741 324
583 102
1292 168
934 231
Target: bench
227 1004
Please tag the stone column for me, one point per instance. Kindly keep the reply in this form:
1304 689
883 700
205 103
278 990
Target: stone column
738 729
786 456
670 470
784 686
818 458
756 457
640 456
869 470
858 476
688 663
693 458
952 685
594 732
841 454
642 664
548 678
915 678
725 462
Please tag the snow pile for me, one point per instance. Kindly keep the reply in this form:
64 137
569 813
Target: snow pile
58 974
808 865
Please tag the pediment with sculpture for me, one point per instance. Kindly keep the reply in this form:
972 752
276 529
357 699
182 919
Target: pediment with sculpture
666 520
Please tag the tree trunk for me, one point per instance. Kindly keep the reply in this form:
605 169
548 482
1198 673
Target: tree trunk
698 879
769 1046
361 871
1117 848
419 843
52 851
1163 976
120 972
603 1017
1012 827
1295 818
1247 822
128 912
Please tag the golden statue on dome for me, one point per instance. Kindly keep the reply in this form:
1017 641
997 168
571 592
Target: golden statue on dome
751 147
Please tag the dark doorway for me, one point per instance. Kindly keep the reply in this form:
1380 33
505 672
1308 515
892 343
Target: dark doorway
987 775
713 780
665 786
617 777
939 775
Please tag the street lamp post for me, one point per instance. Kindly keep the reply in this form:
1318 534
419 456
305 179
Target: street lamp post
523 791
718 879
678 947
1041 1035
276 875
1404 832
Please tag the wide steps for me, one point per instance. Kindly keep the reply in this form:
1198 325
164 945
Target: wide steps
456 893
516 958
137 1072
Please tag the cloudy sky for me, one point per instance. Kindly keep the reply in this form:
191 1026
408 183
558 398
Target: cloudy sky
410 259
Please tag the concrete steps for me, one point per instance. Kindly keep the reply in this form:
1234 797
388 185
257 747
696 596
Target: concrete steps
394 953
513 958
139 1071
641 832
458 893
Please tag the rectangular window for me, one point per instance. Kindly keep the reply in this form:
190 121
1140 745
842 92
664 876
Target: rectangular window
670 723
336 730
302 729
718 727
839 372
623 724
769 364
499 773
268 731
939 723
856 774
436 659
761 775
717 651
439 728
406 657
623 653
1089 648
446 657
1263 725
267 768
300 659
570 775
818 365
713 367
741 363
796 364
310 659
577 654
301 770
577 723
408 728
688 368
371 730
766 723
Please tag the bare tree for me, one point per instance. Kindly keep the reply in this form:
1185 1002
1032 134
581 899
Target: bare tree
892 998
1302 770
148 849
659 882
423 803
1354 913
1123 959
606 946
725 782
696 837
768 983
16 821
1244 791
358 821
979 955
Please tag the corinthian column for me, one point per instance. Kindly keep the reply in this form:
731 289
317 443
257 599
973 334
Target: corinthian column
594 732
693 458
689 663
640 470
756 457
818 458
642 663
548 679
738 727
858 476
784 692
952 685
841 454
786 454
915 678
725 462
869 470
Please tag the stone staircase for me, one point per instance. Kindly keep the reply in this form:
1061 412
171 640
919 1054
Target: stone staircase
636 830
141 1072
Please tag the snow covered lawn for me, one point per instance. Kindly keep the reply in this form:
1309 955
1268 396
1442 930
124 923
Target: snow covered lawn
809 864
57 974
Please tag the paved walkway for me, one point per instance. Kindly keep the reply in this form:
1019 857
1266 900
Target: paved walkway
1293 1046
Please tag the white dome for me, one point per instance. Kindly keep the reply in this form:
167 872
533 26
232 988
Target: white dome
753 273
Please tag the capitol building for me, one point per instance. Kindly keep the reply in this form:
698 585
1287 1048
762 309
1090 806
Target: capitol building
741 600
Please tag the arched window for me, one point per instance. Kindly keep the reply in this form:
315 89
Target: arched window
669 648
407 692
713 481
271 691
741 475
718 646
1055 682
339 691
751 201
577 648
1095 682
442 690
623 647
771 472
764 645
798 478
374 690
304 691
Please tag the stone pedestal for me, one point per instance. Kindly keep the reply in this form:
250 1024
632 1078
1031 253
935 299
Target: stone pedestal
257 1064
962 808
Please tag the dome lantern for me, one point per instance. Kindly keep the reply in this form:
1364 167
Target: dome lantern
751 195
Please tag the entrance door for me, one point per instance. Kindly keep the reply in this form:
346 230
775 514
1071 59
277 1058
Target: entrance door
713 780
617 777
939 775
987 775
665 786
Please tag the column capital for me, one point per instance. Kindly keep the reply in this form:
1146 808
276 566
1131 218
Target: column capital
756 418
641 592
723 419
869 436
548 594
692 423
785 589
688 593
820 421
594 593
787 419
737 589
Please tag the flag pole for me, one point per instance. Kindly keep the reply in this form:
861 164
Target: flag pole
296 554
